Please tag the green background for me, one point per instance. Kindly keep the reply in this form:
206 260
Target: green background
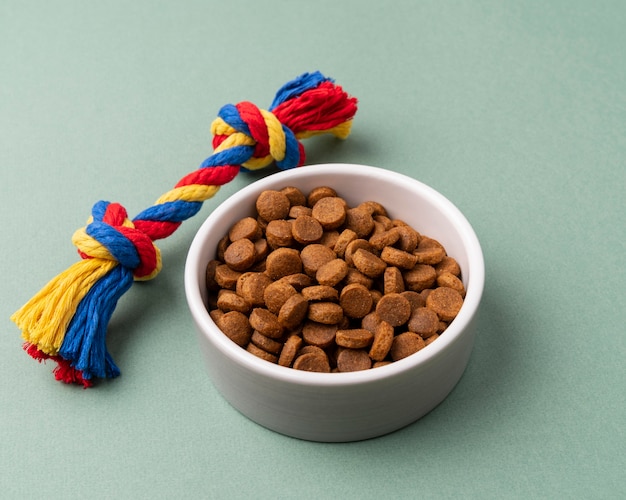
516 111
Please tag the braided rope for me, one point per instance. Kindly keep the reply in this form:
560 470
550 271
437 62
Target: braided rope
66 321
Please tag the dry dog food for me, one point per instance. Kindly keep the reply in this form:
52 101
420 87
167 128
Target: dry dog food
314 284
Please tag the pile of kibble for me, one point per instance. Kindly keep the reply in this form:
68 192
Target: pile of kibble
311 283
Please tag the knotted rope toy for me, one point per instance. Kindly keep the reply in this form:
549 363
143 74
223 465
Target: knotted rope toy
67 320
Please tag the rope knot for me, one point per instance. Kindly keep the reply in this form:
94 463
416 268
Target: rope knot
111 235
244 124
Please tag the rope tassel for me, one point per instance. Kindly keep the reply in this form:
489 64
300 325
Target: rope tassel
66 321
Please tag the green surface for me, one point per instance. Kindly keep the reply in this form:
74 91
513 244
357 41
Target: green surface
515 111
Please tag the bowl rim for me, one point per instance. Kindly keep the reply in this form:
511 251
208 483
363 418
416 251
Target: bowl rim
196 263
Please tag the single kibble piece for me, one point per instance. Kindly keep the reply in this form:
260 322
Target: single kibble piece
394 309
355 300
272 205
279 233
450 265
314 256
306 229
429 251
393 282
408 238
353 360
370 321
355 338
266 343
446 302
451 281
293 311
283 262
247 228
251 286
346 237
353 246
312 362
368 263
226 277
330 211
332 272
383 338
328 313
290 349
319 334
318 193
320 292
276 293
422 276
228 300
260 353
236 327
266 323
414 298
384 238
406 344
424 322
295 196
360 221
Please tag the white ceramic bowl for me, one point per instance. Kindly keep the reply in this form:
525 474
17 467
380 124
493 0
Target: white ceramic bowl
334 407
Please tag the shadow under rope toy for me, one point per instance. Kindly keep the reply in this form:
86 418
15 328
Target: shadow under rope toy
67 320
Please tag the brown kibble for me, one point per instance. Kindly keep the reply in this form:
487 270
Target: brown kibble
384 238
383 338
409 238
319 334
211 284
422 276
266 323
298 280
314 284
394 309
251 286
398 258
318 193
406 344
356 276
226 277
393 282
355 300
236 327
352 360
414 298
451 281
345 238
240 254
314 256
247 228
279 233
290 349
266 343
312 362
429 251
260 353
370 321
328 313
293 311
298 210
368 263
295 196
446 302
272 205
276 293
283 262
424 322
354 338
353 246
332 272
320 292
306 230
228 300
330 211
450 265
360 221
